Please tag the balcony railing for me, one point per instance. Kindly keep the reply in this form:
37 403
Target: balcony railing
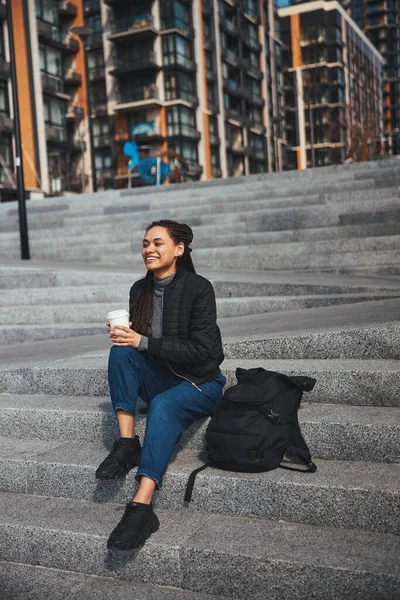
72 78
178 130
4 68
181 95
137 94
214 139
96 73
135 63
54 134
251 42
94 41
6 123
176 23
216 173
229 26
51 84
139 23
230 56
232 113
67 10
103 141
74 113
256 99
180 60
232 86
52 33
91 6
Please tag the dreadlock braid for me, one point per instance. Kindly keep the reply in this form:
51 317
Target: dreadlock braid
142 309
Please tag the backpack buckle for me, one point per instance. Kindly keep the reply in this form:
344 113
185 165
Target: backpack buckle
274 417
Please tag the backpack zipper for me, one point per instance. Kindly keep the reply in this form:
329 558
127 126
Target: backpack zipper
186 379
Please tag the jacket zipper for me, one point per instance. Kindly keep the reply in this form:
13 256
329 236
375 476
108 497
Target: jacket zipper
186 379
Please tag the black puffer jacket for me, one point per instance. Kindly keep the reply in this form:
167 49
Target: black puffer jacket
191 342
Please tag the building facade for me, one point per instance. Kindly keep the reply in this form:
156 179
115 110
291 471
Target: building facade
332 78
197 81
380 19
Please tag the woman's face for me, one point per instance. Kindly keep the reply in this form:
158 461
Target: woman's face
160 252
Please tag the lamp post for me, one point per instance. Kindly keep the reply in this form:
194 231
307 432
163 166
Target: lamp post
23 222
83 33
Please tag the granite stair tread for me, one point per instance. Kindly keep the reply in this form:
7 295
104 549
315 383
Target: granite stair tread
57 533
338 432
40 583
340 494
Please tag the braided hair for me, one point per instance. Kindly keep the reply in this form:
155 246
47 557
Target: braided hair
142 309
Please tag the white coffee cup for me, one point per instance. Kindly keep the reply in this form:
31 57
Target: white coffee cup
118 317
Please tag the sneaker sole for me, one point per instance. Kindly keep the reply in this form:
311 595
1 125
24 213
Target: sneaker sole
152 527
122 471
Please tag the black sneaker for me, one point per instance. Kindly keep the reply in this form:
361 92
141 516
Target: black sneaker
137 524
123 457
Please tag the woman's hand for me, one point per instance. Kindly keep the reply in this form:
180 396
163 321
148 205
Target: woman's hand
124 336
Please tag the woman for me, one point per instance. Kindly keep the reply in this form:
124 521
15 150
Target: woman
170 356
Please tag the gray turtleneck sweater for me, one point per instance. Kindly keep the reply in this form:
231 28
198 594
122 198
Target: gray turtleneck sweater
158 297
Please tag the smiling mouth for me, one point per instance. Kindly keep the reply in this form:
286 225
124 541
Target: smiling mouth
150 258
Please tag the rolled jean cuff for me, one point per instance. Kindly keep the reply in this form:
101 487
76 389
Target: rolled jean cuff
125 407
151 475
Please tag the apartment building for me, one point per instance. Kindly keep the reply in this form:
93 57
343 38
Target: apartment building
195 81
332 79
380 19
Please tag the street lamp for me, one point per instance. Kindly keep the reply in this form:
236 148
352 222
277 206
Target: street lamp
83 33
23 222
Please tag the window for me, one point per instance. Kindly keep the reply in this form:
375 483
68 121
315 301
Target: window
181 121
175 14
6 151
4 100
47 10
2 53
177 51
103 159
179 85
187 149
94 22
54 115
51 61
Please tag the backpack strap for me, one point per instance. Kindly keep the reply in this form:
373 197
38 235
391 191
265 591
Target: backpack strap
191 480
304 459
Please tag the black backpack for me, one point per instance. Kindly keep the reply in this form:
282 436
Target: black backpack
255 426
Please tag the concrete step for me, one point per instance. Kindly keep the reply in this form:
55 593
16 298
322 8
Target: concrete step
27 582
340 494
94 312
18 334
351 381
370 341
333 432
230 289
101 239
208 553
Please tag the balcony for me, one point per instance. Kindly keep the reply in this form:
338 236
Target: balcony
55 135
67 10
92 6
6 123
148 131
251 42
73 79
233 87
54 85
74 113
253 68
172 23
230 56
179 60
96 73
179 130
214 140
148 94
139 26
235 146
257 154
4 68
99 105
95 41
216 173
53 34
234 114
135 63
75 145
103 141
229 27
182 94
256 100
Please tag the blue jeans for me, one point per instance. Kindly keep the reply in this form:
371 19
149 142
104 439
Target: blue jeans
174 403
